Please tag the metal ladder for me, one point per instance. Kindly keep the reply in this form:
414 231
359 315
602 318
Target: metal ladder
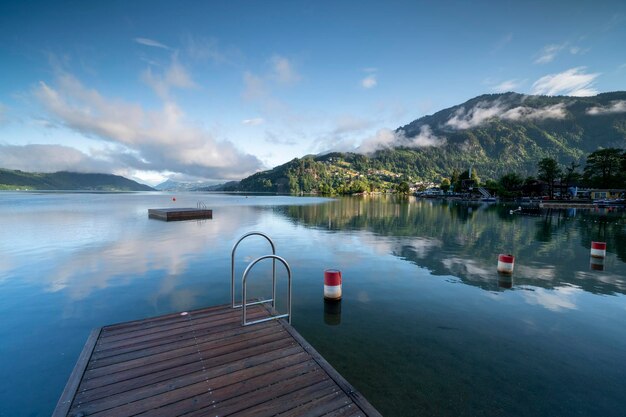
245 304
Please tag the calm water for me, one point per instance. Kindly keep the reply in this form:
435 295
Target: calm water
426 326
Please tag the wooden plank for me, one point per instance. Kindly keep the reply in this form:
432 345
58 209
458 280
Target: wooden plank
223 338
156 361
201 330
261 355
200 380
154 336
139 372
347 411
109 337
358 399
242 395
322 405
290 401
213 329
76 376
160 319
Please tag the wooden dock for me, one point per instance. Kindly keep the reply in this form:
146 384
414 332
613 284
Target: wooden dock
171 214
205 363
566 205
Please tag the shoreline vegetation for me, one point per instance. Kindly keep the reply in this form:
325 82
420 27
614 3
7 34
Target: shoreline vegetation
604 169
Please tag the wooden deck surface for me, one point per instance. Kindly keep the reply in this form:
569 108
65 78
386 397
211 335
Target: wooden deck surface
205 363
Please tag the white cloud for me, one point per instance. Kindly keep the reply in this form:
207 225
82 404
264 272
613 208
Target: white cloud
152 43
508 85
351 124
175 76
549 52
283 71
616 106
383 138
502 42
574 50
386 138
258 90
484 111
254 87
558 299
369 81
556 111
209 49
253 122
279 139
348 129
159 140
51 158
481 112
573 82
425 138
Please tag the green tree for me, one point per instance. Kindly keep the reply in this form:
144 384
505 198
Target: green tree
492 186
403 187
445 185
603 168
511 181
465 175
549 171
571 174
455 180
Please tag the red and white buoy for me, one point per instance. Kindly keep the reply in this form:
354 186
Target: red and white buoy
332 284
506 263
598 249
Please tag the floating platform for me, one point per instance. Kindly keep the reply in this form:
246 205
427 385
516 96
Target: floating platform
171 214
205 363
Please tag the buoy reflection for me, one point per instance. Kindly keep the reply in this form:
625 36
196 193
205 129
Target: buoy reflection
505 281
332 312
596 264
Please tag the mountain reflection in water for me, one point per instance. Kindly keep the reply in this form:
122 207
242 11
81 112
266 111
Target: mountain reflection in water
464 239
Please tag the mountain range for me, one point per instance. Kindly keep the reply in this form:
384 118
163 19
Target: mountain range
494 133
19 180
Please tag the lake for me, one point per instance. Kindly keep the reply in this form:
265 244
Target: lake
426 326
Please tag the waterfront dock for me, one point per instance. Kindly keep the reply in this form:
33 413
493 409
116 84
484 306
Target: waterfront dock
206 363
172 214
567 205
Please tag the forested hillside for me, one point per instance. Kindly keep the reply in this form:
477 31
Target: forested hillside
13 180
495 134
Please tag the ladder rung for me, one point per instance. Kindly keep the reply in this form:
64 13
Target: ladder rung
282 316
255 303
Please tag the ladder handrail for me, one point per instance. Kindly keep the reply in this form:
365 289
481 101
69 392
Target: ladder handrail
232 270
243 291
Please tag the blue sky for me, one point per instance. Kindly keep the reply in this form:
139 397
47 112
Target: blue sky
218 90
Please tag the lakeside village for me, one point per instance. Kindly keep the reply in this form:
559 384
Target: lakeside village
602 183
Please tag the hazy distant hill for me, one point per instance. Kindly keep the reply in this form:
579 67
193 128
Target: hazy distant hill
171 185
12 180
494 133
